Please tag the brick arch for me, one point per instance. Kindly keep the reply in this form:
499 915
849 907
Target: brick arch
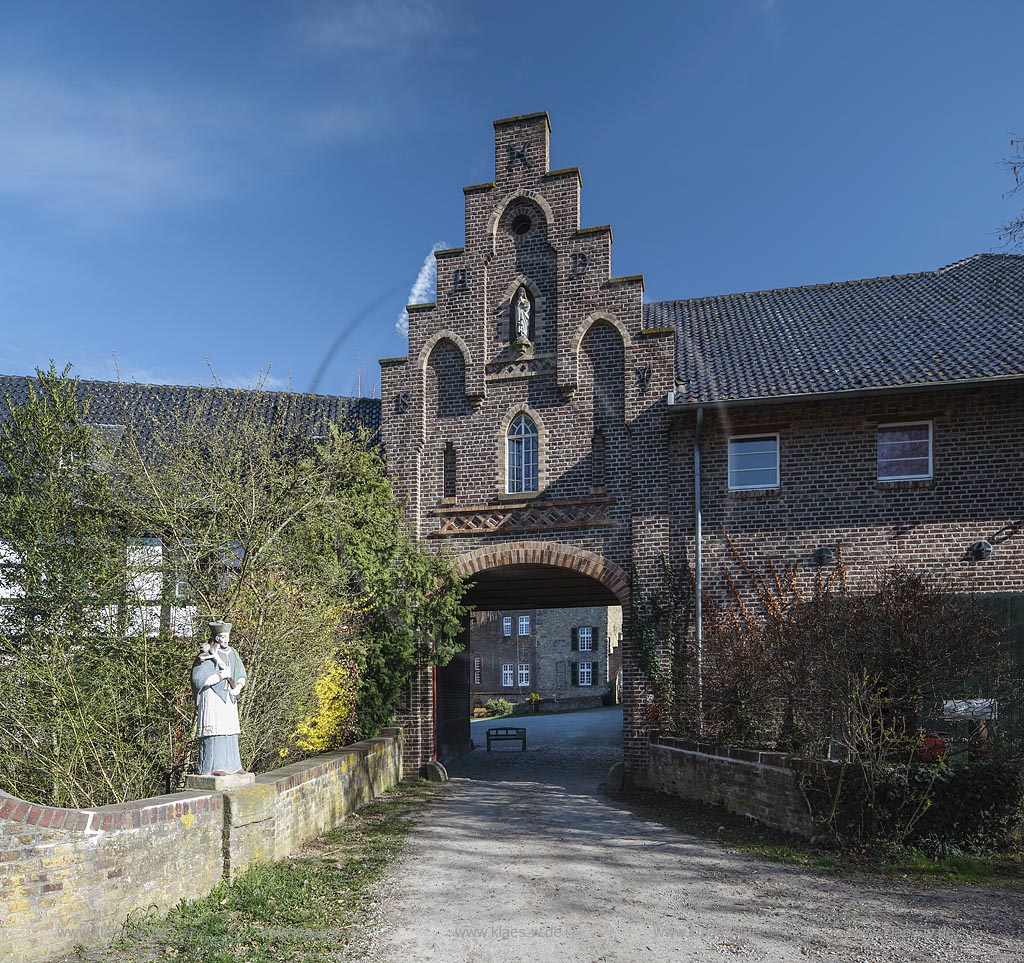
597 318
432 342
569 376
610 575
530 197
475 389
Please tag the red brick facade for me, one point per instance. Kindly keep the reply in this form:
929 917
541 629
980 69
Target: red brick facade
615 485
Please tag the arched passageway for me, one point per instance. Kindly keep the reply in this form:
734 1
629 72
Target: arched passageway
546 579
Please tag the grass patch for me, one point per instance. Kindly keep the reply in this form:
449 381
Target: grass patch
307 908
743 835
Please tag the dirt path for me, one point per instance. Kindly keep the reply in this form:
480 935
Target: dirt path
527 860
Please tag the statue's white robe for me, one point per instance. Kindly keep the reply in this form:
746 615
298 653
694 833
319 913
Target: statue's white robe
217 726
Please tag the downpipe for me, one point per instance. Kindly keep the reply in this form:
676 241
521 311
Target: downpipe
698 566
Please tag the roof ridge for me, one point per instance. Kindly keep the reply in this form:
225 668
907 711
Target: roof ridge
146 384
836 284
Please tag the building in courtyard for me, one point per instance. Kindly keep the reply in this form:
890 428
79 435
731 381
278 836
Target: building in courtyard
570 657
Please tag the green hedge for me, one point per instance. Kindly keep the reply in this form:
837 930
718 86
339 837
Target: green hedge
978 803
975 805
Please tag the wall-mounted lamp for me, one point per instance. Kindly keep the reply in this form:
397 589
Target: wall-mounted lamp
980 551
823 556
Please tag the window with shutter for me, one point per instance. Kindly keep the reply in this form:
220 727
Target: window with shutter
586 636
585 673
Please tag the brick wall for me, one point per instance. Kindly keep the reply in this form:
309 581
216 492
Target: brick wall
829 495
71 877
760 785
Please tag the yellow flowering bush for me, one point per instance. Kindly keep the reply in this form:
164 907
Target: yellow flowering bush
332 722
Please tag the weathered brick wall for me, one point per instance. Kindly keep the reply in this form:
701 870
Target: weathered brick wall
311 798
70 877
829 495
759 785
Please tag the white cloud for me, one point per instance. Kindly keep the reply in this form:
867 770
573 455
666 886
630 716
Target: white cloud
101 154
424 288
373 24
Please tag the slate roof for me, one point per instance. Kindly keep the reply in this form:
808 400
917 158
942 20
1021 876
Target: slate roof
118 403
961 323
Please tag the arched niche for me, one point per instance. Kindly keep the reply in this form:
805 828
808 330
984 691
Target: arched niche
473 386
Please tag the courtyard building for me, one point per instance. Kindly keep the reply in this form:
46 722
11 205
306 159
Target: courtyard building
565 658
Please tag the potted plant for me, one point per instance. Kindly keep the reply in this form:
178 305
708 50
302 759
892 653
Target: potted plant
534 698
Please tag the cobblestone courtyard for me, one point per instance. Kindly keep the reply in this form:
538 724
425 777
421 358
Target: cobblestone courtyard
528 859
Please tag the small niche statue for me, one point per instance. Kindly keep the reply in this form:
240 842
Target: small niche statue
521 312
218 676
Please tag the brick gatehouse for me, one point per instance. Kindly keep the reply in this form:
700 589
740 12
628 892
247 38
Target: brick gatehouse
544 425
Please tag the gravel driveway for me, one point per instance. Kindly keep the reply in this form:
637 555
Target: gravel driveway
526 859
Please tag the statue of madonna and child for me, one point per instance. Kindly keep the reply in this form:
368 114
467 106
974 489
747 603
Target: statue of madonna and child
218 677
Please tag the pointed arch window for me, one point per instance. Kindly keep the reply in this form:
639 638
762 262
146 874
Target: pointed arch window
522 455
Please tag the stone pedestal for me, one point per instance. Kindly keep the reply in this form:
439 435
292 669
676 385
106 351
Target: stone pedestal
206 783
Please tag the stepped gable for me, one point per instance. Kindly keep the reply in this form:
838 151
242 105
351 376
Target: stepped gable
961 323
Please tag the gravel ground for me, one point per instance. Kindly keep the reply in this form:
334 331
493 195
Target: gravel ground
527 859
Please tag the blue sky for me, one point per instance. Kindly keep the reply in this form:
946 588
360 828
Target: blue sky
240 181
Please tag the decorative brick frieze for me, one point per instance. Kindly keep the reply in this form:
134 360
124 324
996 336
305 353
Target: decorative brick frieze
537 517
505 368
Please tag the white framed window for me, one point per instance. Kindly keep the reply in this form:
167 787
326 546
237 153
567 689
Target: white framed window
144 557
477 669
586 673
524 625
508 674
524 673
586 637
753 462
506 626
905 451
522 459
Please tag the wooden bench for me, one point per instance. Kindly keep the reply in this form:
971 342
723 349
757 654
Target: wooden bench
506 734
